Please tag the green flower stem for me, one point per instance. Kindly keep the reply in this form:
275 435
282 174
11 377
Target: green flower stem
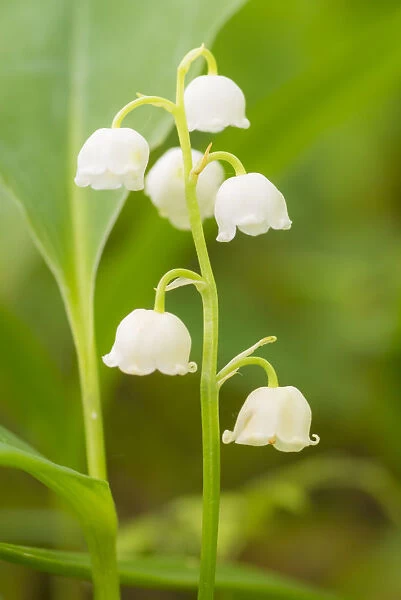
82 325
141 101
233 160
209 388
192 55
90 501
270 339
167 278
104 568
101 539
232 368
79 301
103 554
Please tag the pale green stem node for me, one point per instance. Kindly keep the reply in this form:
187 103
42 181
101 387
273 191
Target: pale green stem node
233 160
243 362
192 55
167 278
197 170
228 368
157 101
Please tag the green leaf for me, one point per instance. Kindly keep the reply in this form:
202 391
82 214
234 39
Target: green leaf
67 78
39 399
14 242
166 572
89 498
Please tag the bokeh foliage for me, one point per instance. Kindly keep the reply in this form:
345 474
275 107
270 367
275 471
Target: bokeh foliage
322 81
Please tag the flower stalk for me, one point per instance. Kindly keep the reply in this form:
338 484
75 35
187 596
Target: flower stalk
142 101
186 188
208 387
229 158
235 365
168 277
103 559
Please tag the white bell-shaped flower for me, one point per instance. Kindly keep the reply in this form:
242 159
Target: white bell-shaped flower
111 158
147 340
213 102
165 186
280 416
251 203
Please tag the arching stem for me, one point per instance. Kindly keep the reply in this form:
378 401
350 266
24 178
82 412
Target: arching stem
234 365
231 159
142 101
167 278
209 387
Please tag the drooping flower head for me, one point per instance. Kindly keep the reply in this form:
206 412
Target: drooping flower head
165 186
213 102
251 203
280 416
147 340
111 158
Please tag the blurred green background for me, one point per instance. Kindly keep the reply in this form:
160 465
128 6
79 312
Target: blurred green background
323 86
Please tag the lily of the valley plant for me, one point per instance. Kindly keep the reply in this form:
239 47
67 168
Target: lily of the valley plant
187 186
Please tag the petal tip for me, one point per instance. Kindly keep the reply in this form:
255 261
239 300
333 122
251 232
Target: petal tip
227 437
109 360
225 237
79 182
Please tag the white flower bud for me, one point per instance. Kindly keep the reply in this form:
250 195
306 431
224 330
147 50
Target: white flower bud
279 416
147 340
251 203
213 102
111 158
165 186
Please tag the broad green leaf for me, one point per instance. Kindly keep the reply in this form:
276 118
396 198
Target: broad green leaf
75 65
90 499
14 242
67 77
167 572
39 399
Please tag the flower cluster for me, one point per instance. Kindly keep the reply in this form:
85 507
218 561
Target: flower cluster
150 340
117 157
